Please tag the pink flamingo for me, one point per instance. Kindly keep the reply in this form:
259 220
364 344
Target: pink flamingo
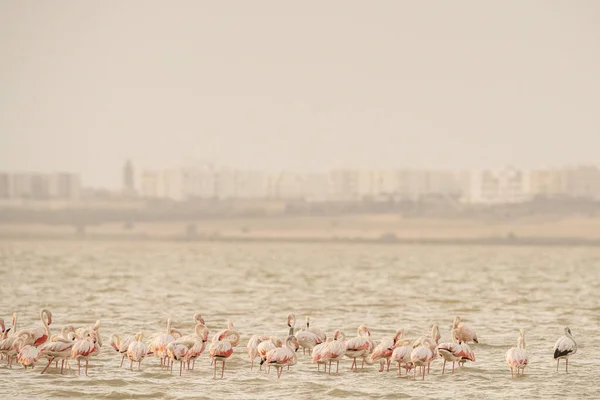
177 350
401 354
465 333
306 339
565 347
60 348
6 343
136 351
39 335
335 350
27 355
359 346
121 346
222 348
84 348
517 357
252 347
451 352
317 354
159 345
423 354
265 346
320 334
199 345
383 351
283 356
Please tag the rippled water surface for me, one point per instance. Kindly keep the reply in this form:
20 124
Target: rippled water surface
133 287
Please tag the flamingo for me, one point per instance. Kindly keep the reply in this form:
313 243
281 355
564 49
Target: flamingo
252 347
466 354
317 354
27 355
121 346
283 356
565 347
159 345
136 351
40 334
517 357
199 345
6 344
306 338
401 354
59 348
234 340
359 346
335 350
423 354
265 346
465 333
222 348
451 351
383 351
84 348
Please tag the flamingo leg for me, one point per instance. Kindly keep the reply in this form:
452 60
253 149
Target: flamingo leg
252 365
415 374
353 364
428 364
557 361
122 359
49 362
62 364
194 363
512 375
452 367
86 367
389 361
566 365
223 370
180 367
279 371
78 367
131 364
444 366
139 365
171 367
399 370
363 364
423 373
56 366
329 367
215 373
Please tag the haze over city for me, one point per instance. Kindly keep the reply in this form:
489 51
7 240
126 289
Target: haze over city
315 85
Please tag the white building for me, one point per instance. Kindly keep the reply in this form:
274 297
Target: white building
502 186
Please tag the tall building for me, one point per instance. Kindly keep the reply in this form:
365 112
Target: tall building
502 186
128 179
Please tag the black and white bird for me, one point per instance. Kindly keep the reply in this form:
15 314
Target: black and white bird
565 347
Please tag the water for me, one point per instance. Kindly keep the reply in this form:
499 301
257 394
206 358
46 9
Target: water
133 287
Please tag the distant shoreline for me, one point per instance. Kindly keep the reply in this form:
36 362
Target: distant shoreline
489 241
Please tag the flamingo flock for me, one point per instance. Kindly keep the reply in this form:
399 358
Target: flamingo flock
28 346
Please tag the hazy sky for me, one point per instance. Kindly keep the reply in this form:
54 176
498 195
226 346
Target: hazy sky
297 84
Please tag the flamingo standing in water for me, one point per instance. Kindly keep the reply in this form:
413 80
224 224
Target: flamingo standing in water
335 350
265 346
465 333
423 354
199 345
317 354
565 347
517 357
383 351
84 348
320 334
6 343
222 348
159 345
401 354
27 355
359 346
121 346
40 334
136 351
283 356
451 352
306 339
252 347
58 349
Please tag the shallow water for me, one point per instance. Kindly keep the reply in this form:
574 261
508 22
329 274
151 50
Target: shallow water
133 287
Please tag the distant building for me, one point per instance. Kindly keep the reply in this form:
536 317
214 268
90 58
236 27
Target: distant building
40 186
507 185
583 181
128 179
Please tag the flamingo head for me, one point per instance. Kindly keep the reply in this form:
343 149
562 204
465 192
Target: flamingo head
291 320
399 334
198 319
568 331
2 327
